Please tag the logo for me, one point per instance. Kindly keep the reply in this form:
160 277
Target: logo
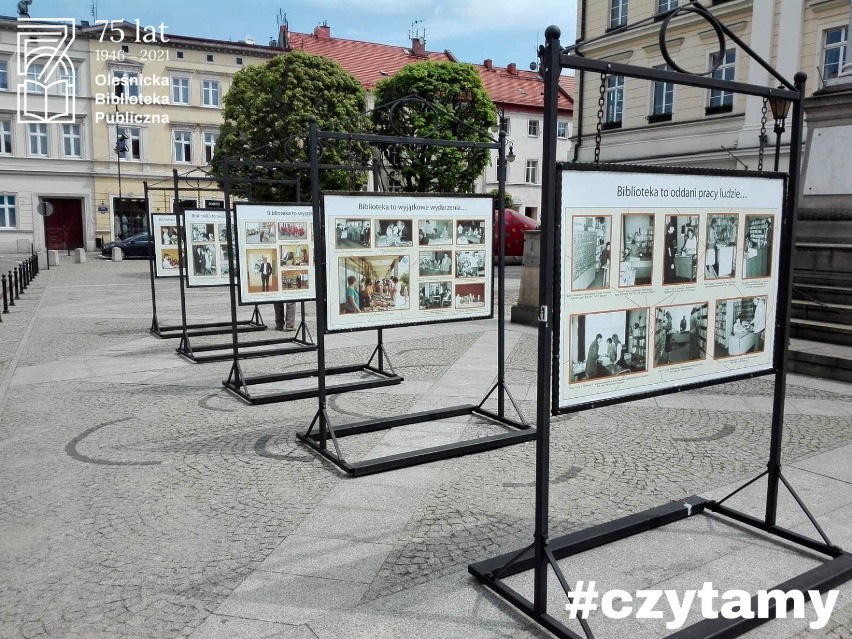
48 78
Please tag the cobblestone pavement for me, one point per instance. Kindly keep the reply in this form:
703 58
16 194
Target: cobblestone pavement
138 499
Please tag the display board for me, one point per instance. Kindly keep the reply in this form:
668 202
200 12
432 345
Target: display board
666 279
166 258
276 253
399 260
206 239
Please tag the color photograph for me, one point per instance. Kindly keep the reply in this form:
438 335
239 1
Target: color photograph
351 234
436 295
591 252
293 231
436 263
168 258
260 232
170 236
740 326
435 232
608 344
373 284
720 258
470 264
393 233
637 250
294 278
260 270
294 255
680 333
469 295
680 249
757 249
470 232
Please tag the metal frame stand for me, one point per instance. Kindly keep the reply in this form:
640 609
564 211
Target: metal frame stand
543 553
321 428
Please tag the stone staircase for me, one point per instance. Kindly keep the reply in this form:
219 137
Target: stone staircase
821 318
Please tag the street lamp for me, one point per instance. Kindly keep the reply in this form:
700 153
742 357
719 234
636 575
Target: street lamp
120 150
780 107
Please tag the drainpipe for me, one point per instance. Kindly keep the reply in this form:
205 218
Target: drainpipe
581 84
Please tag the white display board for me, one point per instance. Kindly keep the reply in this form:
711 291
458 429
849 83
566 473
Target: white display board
166 258
276 253
398 260
207 243
666 279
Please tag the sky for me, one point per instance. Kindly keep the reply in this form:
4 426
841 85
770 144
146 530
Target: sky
503 30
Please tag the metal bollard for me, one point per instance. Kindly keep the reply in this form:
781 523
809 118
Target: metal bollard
34 258
26 274
11 287
17 273
5 293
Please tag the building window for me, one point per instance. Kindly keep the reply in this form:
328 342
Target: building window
179 55
239 60
72 141
210 146
834 52
6 137
532 128
666 5
127 83
722 101
562 130
209 57
210 92
614 101
183 146
180 90
531 173
38 139
132 143
662 100
7 211
4 75
35 83
617 13
125 48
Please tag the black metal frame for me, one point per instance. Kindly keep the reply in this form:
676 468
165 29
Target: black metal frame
544 552
237 381
520 431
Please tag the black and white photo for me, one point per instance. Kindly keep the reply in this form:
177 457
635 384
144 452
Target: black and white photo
436 295
605 345
591 254
740 326
470 231
393 233
680 333
352 234
436 263
470 264
435 232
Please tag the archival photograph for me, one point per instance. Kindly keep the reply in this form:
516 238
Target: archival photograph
591 252
470 232
470 264
757 248
169 235
436 295
260 232
204 259
680 254
292 231
373 284
470 295
352 234
680 333
203 232
294 255
435 232
720 259
436 263
393 233
740 326
294 278
608 344
637 250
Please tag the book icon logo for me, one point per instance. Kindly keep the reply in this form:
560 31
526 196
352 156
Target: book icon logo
47 86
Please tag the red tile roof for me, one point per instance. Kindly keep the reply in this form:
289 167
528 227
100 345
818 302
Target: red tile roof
521 89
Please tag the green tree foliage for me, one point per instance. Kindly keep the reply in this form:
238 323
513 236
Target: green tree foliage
266 118
508 200
464 111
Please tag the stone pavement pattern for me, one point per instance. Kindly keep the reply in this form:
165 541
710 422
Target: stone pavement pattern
139 500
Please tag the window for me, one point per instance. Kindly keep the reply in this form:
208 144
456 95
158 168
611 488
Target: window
531 174
617 13
210 92
6 137
666 5
125 48
127 83
35 84
614 101
532 128
179 55
72 141
722 101
662 100
4 74
133 143
834 49
562 130
38 139
180 90
69 82
239 60
183 146
209 57
210 146
7 211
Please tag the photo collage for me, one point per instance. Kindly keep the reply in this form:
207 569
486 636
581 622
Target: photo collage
207 243
408 268
276 253
695 248
166 258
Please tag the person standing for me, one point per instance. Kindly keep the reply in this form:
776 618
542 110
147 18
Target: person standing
285 316
669 257
265 273
592 357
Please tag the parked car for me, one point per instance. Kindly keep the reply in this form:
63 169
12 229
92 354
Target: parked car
135 246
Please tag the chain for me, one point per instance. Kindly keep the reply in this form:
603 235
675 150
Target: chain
762 147
601 102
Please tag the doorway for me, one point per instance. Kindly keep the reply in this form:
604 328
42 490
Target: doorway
63 229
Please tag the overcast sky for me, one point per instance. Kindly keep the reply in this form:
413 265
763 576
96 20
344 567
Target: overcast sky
503 30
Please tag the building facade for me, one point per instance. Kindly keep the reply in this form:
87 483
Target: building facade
660 123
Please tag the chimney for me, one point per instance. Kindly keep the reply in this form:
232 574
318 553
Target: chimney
488 64
283 37
418 47
322 31
512 69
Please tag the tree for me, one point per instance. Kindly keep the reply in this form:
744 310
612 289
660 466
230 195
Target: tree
266 118
463 110
508 200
